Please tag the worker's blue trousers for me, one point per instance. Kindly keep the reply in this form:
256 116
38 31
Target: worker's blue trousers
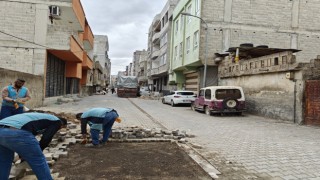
107 124
27 146
7 111
95 136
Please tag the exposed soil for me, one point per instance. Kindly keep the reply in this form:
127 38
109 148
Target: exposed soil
147 161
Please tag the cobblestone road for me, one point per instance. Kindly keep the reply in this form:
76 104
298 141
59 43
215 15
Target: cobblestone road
269 148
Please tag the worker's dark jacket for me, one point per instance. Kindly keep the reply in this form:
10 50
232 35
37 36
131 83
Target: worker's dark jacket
36 123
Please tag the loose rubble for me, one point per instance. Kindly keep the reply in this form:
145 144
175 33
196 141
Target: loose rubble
61 142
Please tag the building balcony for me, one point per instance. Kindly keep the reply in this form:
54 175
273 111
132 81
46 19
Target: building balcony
154 71
73 54
88 38
143 64
87 62
73 70
142 79
156 37
155 54
70 13
163 69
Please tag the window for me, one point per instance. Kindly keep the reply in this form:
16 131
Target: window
181 23
188 45
175 52
284 60
197 7
276 61
262 63
195 39
269 62
225 93
177 27
201 93
180 50
165 58
164 40
207 94
189 11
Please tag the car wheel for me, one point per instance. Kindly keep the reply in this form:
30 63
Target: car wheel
207 111
163 101
172 103
193 107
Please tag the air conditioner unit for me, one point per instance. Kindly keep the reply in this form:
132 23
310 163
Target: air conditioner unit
54 11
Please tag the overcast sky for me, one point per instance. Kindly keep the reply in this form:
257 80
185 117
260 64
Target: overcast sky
125 22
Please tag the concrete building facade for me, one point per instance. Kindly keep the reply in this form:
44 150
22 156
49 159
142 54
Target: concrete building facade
47 38
291 25
100 55
159 48
141 67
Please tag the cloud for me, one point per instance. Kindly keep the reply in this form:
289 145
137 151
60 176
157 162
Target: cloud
125 22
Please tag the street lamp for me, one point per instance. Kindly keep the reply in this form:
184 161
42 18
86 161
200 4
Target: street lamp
206 47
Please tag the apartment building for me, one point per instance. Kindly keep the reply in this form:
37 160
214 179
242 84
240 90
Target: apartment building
275 23
159 48
47 38
103 64
140 59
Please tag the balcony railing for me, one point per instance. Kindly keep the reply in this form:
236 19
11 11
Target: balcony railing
163 68
154 71
155 54
155 37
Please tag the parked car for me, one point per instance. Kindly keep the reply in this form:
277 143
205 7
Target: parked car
179 97
144 90
220 99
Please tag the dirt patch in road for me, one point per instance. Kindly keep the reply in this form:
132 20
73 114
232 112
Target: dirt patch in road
147 161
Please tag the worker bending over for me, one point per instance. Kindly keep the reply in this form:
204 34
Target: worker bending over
104 116
17 134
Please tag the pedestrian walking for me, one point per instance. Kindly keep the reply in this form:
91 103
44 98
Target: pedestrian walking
112 90
14 96
104 116
17 134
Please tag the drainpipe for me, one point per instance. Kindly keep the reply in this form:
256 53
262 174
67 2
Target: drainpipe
294 100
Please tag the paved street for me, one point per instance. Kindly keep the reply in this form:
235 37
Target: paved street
268 148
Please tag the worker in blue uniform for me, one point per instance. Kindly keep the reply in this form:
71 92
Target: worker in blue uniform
14 97
17 134
104 116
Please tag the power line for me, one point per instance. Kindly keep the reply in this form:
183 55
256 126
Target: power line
33 43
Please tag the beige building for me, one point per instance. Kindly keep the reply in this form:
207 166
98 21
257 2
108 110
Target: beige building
159 48
50 39
103 64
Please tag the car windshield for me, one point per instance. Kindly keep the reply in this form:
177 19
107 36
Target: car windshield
228 93
185 93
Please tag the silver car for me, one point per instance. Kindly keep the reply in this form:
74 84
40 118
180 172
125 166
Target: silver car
179 97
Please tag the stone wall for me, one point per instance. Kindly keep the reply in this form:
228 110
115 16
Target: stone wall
273 84
33 82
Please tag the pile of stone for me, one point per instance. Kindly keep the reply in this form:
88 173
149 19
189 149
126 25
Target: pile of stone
137 134
61 142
